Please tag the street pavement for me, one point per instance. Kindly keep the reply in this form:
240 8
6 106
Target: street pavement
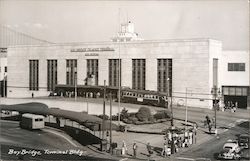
210 149
46 141
225 121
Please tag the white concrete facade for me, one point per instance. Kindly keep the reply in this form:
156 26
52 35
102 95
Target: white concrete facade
235 78
191 61
3 65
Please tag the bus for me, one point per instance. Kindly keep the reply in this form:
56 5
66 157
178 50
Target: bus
32 121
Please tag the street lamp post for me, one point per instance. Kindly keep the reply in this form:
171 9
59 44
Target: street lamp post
186 111
172 117
215 92
75 70
4 89
103 119
110 123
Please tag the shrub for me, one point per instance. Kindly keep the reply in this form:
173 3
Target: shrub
139 123
134 120
106 117
124 114
151 119
162 115
143 114
125 120
130 118
129 122
114 117
132 114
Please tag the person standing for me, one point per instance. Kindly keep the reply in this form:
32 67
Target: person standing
134 149
124 148
164 150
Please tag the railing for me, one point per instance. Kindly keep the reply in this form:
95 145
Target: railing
68 122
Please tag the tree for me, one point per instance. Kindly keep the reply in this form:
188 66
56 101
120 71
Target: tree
144 114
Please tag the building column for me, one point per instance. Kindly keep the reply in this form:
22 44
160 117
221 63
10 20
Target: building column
61 71
126 73
103 71
81 71
42 75
151 74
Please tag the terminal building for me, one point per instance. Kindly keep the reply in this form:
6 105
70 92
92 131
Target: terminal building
187 68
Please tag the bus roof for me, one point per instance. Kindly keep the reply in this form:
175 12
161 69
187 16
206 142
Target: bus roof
29 115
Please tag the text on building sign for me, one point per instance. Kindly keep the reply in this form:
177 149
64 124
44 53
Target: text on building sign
91 49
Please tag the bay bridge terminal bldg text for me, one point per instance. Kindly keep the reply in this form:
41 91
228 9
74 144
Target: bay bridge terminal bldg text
188 69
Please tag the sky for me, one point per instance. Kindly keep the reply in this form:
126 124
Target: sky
63 21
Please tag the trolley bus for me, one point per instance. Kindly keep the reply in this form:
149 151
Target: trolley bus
31 121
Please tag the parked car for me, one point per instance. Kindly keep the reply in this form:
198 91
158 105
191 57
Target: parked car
233 141
244 141
230 151
52 94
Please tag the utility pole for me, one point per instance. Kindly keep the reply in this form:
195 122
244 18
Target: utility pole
172 126
172 117
75 88
215 92
110 133
75 84
186 111
4 84
103 118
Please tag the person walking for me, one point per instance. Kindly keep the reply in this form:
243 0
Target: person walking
209 127
134 150
208 123
150 149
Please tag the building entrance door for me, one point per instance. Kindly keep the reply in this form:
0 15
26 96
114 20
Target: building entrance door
241 100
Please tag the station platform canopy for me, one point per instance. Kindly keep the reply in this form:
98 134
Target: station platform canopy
43 109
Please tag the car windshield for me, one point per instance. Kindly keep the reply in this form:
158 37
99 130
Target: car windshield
226 150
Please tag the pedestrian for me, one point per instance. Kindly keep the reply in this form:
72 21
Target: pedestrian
209 128
164 150
32 95
195 133
134 149
150 149
58 121
176 148
232 108
213 121
168 151
228 105
124 148
179 142
183 143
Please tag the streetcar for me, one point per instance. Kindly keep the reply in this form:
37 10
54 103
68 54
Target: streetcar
32 121
144 97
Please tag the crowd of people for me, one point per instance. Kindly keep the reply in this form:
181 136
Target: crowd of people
171 144
229 105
